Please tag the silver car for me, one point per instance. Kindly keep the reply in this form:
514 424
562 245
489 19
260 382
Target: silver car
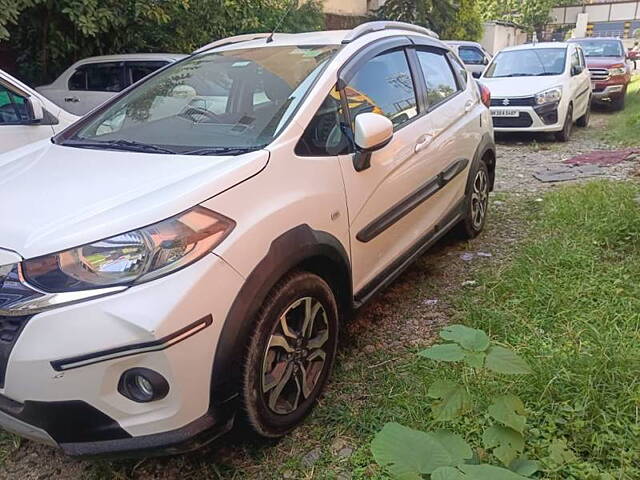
475 57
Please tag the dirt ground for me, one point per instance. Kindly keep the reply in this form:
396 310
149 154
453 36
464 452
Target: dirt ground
406 314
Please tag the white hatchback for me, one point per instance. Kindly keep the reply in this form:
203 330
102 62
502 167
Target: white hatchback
542 87
26 116
181 258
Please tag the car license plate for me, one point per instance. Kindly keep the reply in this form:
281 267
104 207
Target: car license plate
504 112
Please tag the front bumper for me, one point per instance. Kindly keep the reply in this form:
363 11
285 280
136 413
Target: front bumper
62 374
545 118
605 93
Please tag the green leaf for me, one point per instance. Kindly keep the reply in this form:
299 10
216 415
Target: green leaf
524 466
509 410
447 473
503 360
506 442
452 400
457 447
408 454
474 359
449 352
560 453
488 472
469 338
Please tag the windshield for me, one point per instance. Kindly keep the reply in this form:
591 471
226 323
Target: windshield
230 101
528 63
602 48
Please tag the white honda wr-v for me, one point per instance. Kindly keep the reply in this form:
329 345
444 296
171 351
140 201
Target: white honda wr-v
182 258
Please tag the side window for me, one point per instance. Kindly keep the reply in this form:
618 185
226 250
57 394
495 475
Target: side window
575 59
583 63
441 82
105 77
471 55
324 136
138 70
384 85
13 108
78 80
460 69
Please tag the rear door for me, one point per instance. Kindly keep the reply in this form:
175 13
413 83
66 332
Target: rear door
92 84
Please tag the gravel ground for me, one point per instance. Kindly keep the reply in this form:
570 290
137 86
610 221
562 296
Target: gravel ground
406 314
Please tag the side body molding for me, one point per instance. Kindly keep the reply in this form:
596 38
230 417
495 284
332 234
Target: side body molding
301 245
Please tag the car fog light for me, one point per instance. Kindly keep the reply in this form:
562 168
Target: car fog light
143 385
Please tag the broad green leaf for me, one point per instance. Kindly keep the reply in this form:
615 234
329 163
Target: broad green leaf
457 447
448 352
474 359
524 466
503 360
452 400
560 453
447 473
408 453
469 338
488 472
506 442
509 410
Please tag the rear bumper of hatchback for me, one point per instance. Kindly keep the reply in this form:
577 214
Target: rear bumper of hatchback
63 375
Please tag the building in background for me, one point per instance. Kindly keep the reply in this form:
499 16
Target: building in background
498 35
344 14
596 18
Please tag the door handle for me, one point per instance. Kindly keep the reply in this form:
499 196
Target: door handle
469 105
423 141
71 99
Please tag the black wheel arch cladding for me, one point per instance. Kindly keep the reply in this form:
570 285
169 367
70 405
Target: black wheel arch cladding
486 152
300 247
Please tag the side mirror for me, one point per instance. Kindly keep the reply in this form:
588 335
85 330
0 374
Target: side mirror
485 61
37 109
372 132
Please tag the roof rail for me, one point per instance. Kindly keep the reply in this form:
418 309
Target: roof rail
231 40
377 26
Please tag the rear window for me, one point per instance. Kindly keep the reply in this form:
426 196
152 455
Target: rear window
602 48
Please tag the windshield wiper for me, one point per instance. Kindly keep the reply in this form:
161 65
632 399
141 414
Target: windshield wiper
222 150
121 144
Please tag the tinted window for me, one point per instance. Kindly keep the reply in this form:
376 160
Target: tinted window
471 55
138 70
531 62
602 48
324 135
460 68
384 85
440 79
13 108
213 102
78 80
98 77
575 60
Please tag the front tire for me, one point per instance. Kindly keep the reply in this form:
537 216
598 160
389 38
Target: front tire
476 201
565 134
583 121
290 355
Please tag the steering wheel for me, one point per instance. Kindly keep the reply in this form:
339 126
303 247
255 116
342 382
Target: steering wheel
192 113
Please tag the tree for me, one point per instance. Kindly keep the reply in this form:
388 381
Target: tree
434 14
532 14
467 23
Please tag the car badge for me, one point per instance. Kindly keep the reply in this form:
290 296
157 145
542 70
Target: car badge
505 102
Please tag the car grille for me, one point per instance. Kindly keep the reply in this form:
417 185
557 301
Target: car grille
524 120
10 329
513 102
599 74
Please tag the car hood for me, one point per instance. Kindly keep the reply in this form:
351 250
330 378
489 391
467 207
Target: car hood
520 86
603 62
56 197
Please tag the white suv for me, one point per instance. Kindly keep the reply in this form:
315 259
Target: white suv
183 256
544 87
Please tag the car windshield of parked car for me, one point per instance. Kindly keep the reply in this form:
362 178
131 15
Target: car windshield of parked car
531 62
215 102
602 48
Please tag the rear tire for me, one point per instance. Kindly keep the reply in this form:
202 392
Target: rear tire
290 354
583 121
565 134
476 202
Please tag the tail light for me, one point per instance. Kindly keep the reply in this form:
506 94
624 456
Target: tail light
485 94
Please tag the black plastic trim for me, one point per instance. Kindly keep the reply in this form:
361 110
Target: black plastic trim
411 202
133 349
586 90
390 273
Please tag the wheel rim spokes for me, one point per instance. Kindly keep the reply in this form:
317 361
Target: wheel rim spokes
479 198
295 356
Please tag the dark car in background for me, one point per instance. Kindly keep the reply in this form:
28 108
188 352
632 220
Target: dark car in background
610 70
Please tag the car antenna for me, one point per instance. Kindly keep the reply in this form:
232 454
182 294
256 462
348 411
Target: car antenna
280 22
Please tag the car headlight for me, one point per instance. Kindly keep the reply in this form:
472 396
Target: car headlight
617 70
133 257
549 96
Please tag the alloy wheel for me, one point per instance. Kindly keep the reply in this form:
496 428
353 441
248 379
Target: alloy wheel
479 199
295 356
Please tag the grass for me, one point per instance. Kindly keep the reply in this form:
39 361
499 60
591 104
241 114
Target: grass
622 128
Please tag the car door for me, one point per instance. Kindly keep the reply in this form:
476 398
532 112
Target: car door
395 204
474 59
579 83
92 84
16 125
